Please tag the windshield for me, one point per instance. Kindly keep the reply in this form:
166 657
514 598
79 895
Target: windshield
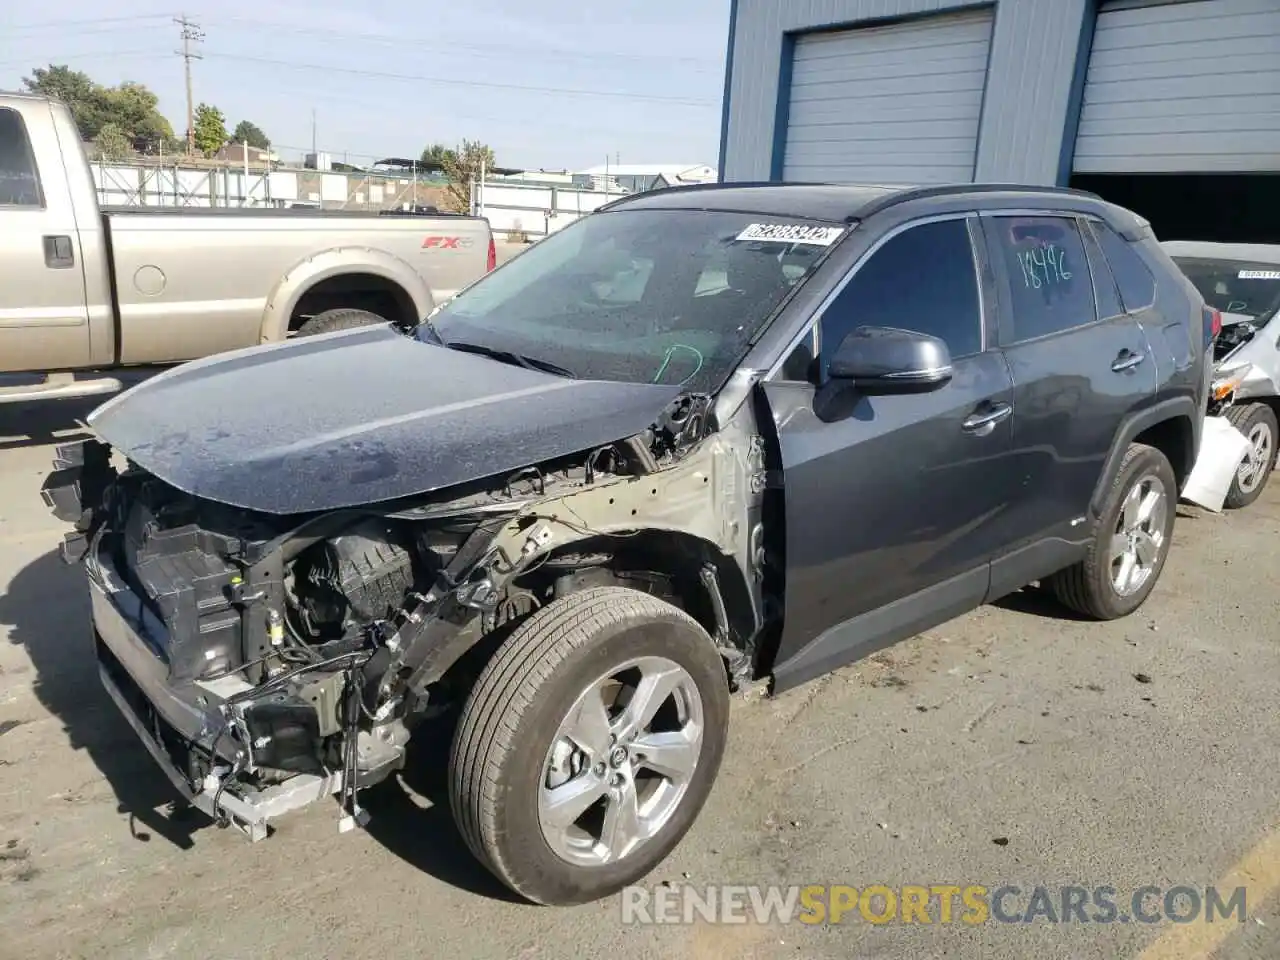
643 296
1235 286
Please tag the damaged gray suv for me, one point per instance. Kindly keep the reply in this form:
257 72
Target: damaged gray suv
704 438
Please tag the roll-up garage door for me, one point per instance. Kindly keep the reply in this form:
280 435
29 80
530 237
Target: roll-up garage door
891 104
1183 88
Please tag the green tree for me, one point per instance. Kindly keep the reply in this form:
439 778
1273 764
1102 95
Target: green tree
461 166
136 111
250 133
435 156
73 88
111 143
210 129
130 108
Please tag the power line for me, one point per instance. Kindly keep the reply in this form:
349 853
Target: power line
450 81
133 29
95 21
425 44
71 58
191 33
295 94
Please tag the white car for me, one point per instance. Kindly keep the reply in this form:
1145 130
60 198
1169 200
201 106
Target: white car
1242 282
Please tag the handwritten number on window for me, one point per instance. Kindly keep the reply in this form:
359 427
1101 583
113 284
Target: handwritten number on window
1043 266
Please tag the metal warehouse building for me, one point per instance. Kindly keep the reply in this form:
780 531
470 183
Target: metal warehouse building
1171 107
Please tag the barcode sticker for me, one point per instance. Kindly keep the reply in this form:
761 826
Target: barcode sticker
792 233
1259 274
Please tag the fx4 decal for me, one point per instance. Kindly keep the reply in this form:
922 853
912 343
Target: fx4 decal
447 243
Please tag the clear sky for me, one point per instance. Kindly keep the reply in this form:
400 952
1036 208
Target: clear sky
565 87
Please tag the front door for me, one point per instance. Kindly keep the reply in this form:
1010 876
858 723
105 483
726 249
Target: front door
891 503
1079 364
44 321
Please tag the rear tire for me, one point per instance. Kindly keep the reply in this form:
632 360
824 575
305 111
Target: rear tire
339 318
525 743
1130 543
1257 421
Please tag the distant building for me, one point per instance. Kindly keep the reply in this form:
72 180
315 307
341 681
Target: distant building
638 177
235 153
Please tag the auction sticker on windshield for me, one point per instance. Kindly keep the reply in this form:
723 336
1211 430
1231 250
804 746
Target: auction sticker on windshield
792 233
1259 275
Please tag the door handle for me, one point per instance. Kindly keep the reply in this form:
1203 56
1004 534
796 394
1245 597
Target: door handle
1127 360
981 424
58 252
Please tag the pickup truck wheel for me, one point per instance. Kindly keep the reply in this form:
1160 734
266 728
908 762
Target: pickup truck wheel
1257 422
1130 543
340 318
589 745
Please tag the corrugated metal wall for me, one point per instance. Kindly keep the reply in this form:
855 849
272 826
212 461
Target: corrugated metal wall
894 104
1025 110
1190 86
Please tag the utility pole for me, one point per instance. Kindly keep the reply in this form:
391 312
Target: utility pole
191 33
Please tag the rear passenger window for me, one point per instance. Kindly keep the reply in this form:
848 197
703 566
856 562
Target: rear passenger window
1049 282
19 185
923 280
1105 291
1137 285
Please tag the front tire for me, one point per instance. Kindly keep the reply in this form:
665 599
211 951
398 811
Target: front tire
339 318
589 745
1257 421
1130 543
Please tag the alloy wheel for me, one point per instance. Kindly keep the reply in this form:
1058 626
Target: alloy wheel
1253 469
1138 540
621 761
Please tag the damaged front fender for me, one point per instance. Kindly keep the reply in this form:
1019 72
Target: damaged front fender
707 499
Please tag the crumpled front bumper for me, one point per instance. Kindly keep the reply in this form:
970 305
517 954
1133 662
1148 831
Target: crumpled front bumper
181 724
173 722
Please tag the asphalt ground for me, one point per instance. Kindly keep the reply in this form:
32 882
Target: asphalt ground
1013 747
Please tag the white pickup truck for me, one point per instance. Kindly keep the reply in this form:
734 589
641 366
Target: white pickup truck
85 289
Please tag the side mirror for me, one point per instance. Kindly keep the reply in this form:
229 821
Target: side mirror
886 360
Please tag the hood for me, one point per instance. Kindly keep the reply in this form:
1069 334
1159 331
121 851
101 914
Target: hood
357 417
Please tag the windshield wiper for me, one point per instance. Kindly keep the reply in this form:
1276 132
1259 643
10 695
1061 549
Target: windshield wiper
508 356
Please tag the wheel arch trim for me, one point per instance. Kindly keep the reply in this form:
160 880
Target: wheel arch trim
1137 423
330 264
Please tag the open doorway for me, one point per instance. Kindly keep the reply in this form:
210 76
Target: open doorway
1229 208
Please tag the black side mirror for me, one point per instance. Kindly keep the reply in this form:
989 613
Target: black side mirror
886 360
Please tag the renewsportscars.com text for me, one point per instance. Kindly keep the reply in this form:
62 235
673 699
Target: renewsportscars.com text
930 904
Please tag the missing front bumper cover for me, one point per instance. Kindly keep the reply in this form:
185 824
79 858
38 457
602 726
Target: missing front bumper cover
247 810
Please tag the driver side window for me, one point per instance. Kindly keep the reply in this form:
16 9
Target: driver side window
923 279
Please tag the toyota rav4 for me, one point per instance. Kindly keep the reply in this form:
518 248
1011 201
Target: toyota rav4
704 438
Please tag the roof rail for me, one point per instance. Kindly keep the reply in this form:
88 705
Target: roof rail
718 185
955 189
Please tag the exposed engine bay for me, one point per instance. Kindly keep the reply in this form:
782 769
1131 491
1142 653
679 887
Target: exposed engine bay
305 649
1232 338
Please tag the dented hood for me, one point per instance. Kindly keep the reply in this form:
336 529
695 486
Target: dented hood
358 417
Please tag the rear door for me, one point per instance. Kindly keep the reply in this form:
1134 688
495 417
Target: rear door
1079 365
891 503
44 320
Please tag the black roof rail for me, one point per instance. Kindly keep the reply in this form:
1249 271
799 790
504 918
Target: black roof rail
958 189
896 196
718 185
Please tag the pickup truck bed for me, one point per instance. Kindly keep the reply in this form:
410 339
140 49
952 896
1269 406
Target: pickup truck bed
87 288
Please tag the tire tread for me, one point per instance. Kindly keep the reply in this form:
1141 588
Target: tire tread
1241 417
508 687
1076 586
